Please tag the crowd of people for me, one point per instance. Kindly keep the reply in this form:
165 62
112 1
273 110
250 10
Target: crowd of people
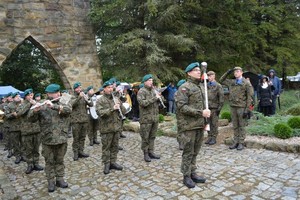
34 121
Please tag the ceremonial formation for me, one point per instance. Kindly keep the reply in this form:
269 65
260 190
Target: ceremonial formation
48 120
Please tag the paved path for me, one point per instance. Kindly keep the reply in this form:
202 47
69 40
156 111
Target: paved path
249 174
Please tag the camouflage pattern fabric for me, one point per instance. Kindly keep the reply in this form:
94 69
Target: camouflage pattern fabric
31 145
110 143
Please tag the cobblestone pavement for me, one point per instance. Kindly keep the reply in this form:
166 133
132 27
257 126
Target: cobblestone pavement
231 174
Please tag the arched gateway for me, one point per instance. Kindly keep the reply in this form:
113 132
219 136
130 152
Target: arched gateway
60 28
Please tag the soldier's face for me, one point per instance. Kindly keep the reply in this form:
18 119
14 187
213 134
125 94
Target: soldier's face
211 77
238 73
53 95
10 99
91 91
29 96
17 98
38 98
149 82
78 89
195 73
108 89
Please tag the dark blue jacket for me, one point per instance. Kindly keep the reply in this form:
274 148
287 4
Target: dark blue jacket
171 92
276 82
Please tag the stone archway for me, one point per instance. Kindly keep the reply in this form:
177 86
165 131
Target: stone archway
61 29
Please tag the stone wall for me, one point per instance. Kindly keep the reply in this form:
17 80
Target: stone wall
60 28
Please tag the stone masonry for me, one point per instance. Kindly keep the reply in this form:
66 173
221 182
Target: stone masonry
60 28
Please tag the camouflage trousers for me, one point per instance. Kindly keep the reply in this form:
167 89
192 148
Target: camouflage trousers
7 138
32 144
192 141
54 160
148 135
17 145
213 122
110 143
93 128
239 124
79 133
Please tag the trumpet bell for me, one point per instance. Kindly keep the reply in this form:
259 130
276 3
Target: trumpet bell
127 107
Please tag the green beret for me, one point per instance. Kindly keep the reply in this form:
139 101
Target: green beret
182 81
89 88
37 95
141 85
101 89
15 94
27 92
112 80
9 94
107 83
237 68
76 85
147 77
64 91
52 88
191 66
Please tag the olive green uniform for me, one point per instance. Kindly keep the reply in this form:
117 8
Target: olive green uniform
5 128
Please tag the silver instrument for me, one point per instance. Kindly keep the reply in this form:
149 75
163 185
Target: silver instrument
160 99
92 109
41 104
116 101
127 107
204 67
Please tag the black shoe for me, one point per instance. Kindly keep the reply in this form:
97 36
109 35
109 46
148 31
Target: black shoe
115 166
91 143
23 159
120 148
69 135
75 158
146 157
18 160
10 154
207 141
153 155
96 142
5 149
197 179
83 155
212 141
106 168
188 182
122 135
38 167
29 169
240 147
180 146
61 183
234 146
51 186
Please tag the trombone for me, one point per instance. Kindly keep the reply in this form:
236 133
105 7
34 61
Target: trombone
116 102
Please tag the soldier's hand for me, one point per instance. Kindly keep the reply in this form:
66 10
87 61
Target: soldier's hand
206 113
229 71
49 103
14 114
116 106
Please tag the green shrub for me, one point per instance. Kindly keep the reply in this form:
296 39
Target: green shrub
294 110
294 122
161 118
282 131
226 115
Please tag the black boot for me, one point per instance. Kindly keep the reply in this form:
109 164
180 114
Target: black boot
234 146
29 169
212 141
9 154
188 182
153 155
180 146
240 147
106 168
197 179
83 155
207 141
51 185
96 141
115 166
38 167
146 156
75 158
91 143
120 148
18 159
122 135
60 182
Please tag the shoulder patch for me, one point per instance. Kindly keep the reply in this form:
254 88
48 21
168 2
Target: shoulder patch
183 89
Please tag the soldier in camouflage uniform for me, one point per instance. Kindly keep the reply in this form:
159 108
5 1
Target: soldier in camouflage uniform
93 123
108 109
53 118
2 105
7 136
14 127
30 133
79 121
190 120
149 110
215 103
240 98
179 132
38 97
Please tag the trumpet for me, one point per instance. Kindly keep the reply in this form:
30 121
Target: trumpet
116 102
159 98
86 98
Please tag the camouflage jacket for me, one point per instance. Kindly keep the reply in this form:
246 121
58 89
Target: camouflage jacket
148 105
110 120
54 122
215 96
13 122
79 109
26 126
4 106
240 95
189 104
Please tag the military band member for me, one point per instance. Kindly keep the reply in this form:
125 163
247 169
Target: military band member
30 133
79 121
240 99
191 114
179 132
148 105
14 126
53 118
38 97
93 123
215 104
109 110
7 136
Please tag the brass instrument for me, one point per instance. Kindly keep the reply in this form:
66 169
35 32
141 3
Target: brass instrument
160 99
116 102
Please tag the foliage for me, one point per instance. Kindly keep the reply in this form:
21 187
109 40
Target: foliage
160 133
287 100
161 118
282 131
294 122
28 67
293 110
226 115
